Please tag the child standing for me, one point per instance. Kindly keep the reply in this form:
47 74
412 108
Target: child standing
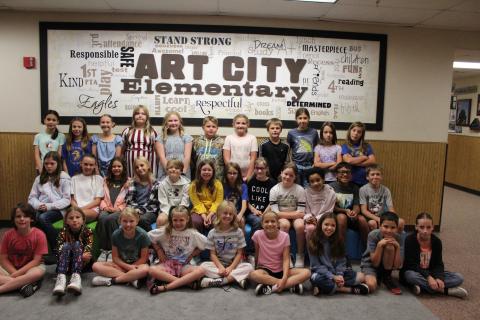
235 190
287 199
375 199
423 268
74 247
106 145
319 198
241 147
50 140
226 242
21 253
76 146
142 193
50 195
175 245
87 188
206 194
347 206
174 144
172 191
328 261
259 187
383 254
139 140
357 152
115 187
302 141
209 146
129 254
328 153
276 153
272 256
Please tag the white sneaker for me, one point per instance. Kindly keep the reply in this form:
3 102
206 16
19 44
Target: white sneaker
75 285
458 292
60 284
135 284
211 283
299 261
105 256
101 281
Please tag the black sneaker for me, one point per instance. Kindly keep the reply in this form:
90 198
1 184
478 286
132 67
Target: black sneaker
29 289
391 285
243 284
298 289
263 289
360 289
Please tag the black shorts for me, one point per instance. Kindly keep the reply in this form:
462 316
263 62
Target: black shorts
278 275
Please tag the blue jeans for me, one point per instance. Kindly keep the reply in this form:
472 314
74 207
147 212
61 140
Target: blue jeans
255 222
451 279
45 222
328 286
302 174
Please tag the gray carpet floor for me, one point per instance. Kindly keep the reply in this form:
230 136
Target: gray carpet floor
126 302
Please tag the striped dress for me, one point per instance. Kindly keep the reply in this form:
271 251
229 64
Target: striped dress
136 145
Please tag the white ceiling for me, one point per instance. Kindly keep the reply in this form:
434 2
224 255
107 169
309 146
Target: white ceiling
443 14
438 14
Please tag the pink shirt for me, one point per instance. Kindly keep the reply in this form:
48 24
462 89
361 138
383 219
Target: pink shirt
20 249
270 253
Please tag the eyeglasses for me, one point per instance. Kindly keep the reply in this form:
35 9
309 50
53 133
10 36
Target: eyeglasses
344 172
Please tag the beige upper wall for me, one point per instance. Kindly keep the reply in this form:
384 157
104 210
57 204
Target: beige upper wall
418 75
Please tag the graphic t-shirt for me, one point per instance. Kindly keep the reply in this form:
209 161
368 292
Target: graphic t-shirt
226 244
21 249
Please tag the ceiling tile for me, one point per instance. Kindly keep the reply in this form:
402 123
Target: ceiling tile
455 20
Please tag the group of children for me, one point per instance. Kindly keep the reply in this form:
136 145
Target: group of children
157 219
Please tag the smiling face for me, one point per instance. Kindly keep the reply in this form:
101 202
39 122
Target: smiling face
75 220
261 171
88 166
128 223
22 221
206 173
328 227
50 121
77 129
344 175
226 217
424 229
142 169
117 169
210 129
241 125
179 220
173 123
288 177
174 173
316 182
270 224
388 228
302 121
106 124
375 177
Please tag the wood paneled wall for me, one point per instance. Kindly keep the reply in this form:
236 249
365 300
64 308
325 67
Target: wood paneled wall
412 170
463 161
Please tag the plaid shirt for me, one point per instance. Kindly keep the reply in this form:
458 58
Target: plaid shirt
152 205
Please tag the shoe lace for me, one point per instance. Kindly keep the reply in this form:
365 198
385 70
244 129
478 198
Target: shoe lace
215 283
267 290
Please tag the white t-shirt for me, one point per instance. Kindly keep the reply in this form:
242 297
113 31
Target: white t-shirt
180 244
240 148
86 188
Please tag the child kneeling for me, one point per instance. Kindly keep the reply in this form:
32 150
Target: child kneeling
176 244
272 256
328 261
226 242
129 253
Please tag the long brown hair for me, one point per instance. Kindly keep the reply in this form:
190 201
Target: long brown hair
198 180
362 143
70 137
315 246
55 176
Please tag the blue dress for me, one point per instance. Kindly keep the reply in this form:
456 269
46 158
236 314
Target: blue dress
106 152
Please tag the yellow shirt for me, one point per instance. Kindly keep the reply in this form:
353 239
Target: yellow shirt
203 200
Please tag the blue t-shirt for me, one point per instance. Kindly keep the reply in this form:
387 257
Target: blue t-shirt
74 156
302 144
230 195
359 175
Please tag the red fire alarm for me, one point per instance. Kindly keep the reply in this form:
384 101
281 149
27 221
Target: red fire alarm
29 62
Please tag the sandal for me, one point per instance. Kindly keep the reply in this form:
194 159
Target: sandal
156 289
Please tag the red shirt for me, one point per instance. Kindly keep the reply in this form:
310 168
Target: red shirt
21 249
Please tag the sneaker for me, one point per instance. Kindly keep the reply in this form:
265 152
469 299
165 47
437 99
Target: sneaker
391 285
135 284
263 289
195 285
105 256
29 289
360 289
298 289
211 283
458 292
416 289
316 291
75 285
243 284
299 261
59 289
101 281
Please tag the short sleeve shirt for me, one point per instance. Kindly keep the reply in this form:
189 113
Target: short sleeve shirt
377 201
21 249
226 244
270 253
129 249
46 144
